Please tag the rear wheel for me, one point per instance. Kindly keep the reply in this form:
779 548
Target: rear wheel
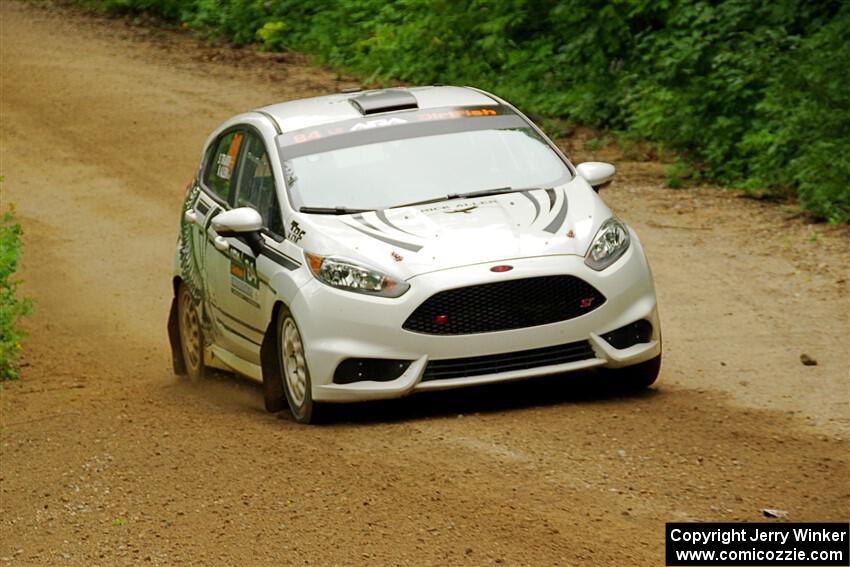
191 334
294 371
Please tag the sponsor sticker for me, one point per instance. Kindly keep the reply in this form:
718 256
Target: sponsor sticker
225 161
243 274
355 125
296 233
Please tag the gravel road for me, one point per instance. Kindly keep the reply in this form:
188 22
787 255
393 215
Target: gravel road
107 458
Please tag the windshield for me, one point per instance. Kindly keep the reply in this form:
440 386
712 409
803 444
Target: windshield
391 173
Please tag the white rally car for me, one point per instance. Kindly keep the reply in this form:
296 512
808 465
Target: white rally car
368 245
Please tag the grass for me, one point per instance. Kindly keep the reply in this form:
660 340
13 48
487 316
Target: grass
12 307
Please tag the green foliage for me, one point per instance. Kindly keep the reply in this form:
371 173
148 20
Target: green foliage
596 144
166 8
754 92
272 36
12 307
678 173
802 134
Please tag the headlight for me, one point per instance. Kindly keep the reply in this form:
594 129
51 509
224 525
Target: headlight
610 242
347 275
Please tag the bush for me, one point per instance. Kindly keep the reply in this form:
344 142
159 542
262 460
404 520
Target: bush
802 135
752 93
12 308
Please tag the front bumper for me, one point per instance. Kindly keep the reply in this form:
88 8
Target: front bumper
338 324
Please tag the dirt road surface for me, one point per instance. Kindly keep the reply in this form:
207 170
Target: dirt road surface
109 459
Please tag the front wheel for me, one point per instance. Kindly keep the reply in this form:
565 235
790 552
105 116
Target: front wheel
191 334
638 376
294 371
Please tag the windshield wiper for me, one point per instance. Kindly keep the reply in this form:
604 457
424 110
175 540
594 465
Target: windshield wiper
451 196
332 210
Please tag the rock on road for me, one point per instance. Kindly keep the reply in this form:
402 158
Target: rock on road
106 458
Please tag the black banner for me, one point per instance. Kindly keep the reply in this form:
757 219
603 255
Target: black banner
762 544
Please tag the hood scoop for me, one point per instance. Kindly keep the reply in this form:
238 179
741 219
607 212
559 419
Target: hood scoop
388 100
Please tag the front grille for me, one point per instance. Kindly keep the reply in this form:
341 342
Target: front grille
522 360
501 306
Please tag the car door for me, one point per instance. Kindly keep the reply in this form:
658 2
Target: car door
242 297
218 182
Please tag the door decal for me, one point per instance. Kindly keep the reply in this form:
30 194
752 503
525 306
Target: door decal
244 282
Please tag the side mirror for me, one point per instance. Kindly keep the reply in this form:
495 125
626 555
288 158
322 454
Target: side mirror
237 221
597 173
244 223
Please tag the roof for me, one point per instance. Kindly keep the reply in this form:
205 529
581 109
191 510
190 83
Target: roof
307 112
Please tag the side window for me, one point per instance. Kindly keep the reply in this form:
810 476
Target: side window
255 184
222 163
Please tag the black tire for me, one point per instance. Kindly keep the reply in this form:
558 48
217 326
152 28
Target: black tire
274 399
191 335
636 377
293 370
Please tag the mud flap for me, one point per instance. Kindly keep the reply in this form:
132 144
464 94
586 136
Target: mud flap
273 396
177 361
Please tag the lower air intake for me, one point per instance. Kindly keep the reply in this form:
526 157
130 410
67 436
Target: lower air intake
505 362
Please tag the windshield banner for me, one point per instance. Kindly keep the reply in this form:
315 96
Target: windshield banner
398 125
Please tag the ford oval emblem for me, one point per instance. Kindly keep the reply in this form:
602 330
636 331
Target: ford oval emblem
501 268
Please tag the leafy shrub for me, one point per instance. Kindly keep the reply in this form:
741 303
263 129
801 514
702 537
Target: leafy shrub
166 8
272 35
678 173
802 135
753 92
11 307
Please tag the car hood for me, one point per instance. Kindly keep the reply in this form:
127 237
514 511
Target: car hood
410 241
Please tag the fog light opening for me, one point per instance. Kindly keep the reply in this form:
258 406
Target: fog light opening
629 335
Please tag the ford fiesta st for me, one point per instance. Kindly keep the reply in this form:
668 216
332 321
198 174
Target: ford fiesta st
368 245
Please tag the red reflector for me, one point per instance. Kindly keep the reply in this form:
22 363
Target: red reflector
441 319
586 302
501 268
